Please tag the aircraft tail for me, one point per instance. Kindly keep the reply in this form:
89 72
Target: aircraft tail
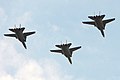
12 30
24 45
91 17
70 60
102 33
102 16
59 46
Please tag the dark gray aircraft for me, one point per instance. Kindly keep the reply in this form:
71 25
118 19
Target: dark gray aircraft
20 35
66 50
99 22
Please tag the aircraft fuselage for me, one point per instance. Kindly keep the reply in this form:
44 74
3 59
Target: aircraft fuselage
20 36
66 51
99 23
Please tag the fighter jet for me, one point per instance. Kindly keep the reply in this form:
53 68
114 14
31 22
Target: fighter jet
66 50
19 34
99 22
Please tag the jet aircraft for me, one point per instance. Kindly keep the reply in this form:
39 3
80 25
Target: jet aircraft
66 50
99 22
19 34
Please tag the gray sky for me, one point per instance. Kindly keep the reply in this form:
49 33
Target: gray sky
55 21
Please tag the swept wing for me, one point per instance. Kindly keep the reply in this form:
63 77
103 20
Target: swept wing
10 35
90 22
28 33
92 17
57 51
75 48
107 21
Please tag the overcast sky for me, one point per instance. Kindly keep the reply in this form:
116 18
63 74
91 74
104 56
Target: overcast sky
56 21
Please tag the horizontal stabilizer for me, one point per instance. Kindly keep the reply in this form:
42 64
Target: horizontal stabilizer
92 17
102 16
69 44
59 46
22 29
12 30
16 29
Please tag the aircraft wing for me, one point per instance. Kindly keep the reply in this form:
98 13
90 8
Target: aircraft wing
10 35
57 51
75 48
90 22
107 21
28 33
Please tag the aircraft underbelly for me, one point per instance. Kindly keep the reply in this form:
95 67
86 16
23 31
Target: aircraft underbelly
100 25
20 37
67 52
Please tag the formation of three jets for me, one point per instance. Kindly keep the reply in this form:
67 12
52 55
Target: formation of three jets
64 48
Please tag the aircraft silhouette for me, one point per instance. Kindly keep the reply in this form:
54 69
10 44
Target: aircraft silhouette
19 34
99 22
66 50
